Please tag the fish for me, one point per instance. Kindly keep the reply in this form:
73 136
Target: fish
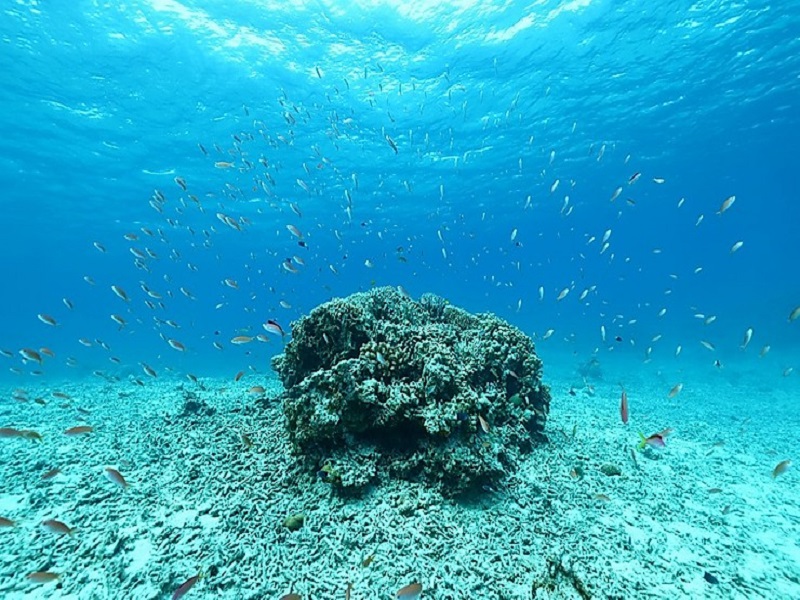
484 424
116 477
623 407
43 576
708 345
634 178
391 143
710 578
273 327
748 335
120 293
658 180
186 586
238 376
241 339
79 430
367 561
726 204
736 246
291 596
295 231
57 527
149 370
563 294
256 389
177 345
616 193
47 320
602 498
795 314
4 522
655 441
223 164
51 473
781 468
675 390
412 591
31 355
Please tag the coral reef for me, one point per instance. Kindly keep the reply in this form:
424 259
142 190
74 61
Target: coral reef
378 385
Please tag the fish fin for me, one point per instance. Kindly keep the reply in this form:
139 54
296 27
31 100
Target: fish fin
642 442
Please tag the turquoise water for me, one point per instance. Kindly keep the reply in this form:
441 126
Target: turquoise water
469 149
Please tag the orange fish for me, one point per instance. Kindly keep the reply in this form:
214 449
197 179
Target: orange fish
177 345
781 468
43 576
29 354
57 527
80 429
410 592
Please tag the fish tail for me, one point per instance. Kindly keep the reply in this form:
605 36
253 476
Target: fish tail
642 441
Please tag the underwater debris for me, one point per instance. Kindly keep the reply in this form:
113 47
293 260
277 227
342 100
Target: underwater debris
380 386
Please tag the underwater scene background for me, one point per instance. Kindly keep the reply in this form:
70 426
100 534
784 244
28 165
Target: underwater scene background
183 183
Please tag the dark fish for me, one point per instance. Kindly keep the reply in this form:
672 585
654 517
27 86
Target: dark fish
710 578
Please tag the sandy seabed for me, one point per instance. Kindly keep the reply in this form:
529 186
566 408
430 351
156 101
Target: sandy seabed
199 498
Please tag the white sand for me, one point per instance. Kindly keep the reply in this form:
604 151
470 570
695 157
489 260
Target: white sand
199 498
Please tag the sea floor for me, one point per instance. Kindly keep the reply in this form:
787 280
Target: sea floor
200 499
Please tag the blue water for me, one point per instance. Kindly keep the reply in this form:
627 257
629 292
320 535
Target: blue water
103 104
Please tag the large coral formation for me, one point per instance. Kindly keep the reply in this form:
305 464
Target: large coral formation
378 385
